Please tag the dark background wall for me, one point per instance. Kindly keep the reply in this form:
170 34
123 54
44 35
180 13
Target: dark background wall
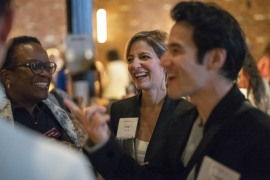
47 20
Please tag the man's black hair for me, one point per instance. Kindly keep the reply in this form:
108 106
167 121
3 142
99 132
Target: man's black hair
214 28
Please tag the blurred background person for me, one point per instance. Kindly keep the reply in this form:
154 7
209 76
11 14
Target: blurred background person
26 76
116 78
264 63
254 87
151 105
59 78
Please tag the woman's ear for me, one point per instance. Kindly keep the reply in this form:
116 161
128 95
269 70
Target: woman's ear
5 76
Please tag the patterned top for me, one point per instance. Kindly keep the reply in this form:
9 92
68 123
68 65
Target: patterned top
60 115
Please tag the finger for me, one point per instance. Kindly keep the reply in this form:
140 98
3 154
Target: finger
95 123
88 112
100 121
98 131
75 110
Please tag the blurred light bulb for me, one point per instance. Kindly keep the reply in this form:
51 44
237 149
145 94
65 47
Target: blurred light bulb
101 26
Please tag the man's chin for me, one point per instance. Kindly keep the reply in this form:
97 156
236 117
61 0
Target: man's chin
174 94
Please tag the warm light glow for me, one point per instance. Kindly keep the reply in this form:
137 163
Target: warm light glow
101 26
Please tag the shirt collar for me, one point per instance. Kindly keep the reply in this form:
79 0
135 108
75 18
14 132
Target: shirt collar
41 105
226 107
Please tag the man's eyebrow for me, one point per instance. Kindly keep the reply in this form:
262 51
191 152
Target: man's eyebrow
173 45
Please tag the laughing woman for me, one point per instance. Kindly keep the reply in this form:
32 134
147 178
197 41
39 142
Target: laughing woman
151 105
26 76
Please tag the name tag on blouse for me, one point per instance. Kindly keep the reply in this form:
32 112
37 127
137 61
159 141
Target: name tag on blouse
127 127
53 133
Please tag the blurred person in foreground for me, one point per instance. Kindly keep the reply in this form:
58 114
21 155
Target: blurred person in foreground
151 106
255 87
26 76
59 77
25 154
223 136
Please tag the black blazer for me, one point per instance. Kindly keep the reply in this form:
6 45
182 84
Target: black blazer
130 107
242 143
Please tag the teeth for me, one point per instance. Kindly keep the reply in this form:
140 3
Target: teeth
140 74
41 84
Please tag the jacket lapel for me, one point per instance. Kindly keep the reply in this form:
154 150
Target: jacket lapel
64 121
179 133
134 107
221 114
165 113
5 107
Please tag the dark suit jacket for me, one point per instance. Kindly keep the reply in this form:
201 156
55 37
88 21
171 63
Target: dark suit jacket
242 143
130 107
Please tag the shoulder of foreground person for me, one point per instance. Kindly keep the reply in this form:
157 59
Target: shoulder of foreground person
34 157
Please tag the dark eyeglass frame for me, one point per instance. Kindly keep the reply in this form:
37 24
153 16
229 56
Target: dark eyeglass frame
45 66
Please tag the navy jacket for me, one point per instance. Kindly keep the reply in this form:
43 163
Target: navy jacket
130 107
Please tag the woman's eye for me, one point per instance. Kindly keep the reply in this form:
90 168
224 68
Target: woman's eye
145 57
129 60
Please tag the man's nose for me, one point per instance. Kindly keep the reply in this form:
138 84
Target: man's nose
164 61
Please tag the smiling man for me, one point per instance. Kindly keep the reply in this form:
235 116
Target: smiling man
223 136
206 50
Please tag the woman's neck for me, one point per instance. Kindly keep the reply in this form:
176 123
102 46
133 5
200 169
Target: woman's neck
152 98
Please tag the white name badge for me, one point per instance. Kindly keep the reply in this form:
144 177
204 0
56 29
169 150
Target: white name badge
127 127
211 169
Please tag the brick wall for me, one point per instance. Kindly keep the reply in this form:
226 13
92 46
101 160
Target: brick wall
46 19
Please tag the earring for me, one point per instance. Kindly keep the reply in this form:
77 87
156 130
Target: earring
8 86
164 79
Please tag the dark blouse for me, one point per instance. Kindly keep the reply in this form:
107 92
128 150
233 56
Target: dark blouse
45 121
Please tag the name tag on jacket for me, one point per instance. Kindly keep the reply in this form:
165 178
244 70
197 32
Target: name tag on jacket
127 127
211 169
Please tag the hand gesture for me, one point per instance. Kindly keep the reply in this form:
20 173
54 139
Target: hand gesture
93 120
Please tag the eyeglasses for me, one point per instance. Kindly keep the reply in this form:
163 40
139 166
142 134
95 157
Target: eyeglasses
37 67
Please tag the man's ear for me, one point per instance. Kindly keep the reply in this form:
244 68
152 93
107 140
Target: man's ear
6 22
215 58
